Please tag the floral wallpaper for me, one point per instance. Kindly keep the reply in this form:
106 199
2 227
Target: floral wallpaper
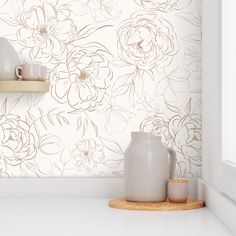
113 67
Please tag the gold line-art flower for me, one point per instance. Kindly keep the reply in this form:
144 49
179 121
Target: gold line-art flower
185 129
44 31
17 143
147 41
88 154
182 131
164 5
82 80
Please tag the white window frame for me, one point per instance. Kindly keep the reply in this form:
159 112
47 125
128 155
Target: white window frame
227 174
217 173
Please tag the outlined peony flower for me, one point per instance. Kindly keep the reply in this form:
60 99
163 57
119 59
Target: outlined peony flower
17 143
156 124
147 41
182 131
82 80
185 130
88 154
44 31
164 5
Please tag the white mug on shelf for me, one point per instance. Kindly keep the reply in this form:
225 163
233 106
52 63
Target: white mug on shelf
43 73
31 72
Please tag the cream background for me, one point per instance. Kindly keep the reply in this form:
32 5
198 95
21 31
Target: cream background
85 132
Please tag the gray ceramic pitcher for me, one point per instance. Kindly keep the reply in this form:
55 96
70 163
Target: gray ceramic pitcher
148 166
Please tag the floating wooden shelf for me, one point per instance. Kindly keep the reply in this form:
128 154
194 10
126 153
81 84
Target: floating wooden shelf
155 206
19 86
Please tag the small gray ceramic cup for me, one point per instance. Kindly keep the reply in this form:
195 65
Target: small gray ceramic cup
28 71
178 190
31 72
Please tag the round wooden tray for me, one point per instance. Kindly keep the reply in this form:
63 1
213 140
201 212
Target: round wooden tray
155 206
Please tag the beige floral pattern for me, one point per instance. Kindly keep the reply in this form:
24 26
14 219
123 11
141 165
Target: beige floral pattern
114 66
88 155
102 10
44 31
185 129
147 41
83 79
164 5
182 131
17 143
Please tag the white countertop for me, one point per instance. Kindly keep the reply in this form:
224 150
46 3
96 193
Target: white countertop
92 217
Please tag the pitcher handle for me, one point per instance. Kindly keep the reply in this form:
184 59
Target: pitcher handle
173 161
17 71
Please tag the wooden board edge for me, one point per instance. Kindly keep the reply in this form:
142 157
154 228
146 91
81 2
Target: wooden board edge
121 204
